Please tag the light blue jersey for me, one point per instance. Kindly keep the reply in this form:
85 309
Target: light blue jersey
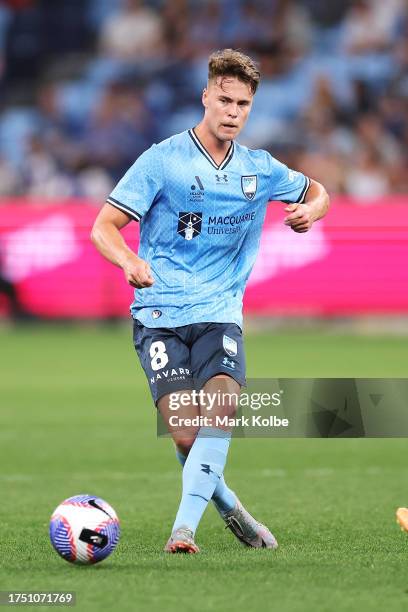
200 226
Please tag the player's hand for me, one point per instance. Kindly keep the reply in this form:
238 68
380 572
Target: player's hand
137 272
300 217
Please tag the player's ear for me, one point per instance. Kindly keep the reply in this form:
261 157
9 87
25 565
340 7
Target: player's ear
204 97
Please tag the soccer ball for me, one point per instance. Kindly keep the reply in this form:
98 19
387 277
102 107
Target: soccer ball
84 529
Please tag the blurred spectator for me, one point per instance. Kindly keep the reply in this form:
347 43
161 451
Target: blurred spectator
369 26
400 82
293 27
119 130
176 23
10 183
205 27
254 24
43 177
366 177
94 182
135 33
326 14
323 167
393 113
370 134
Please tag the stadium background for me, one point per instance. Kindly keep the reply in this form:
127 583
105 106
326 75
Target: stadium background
85 87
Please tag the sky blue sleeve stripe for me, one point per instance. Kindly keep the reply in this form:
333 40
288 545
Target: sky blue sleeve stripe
124 208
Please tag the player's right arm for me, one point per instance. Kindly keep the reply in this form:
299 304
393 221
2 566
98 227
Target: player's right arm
110 243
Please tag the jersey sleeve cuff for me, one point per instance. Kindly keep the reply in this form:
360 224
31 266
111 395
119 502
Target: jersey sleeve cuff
126 209
302 196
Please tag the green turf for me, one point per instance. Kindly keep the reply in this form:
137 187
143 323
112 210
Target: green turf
76 417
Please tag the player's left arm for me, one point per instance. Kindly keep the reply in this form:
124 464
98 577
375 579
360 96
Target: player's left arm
314 206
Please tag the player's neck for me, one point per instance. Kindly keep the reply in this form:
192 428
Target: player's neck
215 147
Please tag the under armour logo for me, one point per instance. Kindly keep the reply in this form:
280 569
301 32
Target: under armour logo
229 363
221 178
206 468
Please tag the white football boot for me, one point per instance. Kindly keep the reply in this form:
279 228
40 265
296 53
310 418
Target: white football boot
248 531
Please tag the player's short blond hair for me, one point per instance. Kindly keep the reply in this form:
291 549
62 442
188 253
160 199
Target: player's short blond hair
229 62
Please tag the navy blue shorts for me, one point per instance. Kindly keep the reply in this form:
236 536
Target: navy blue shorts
178 358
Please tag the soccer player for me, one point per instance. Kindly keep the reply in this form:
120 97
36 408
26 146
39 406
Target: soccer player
201 200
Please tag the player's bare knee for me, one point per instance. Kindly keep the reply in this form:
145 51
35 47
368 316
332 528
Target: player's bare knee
222 412
184 445
184 439
229 410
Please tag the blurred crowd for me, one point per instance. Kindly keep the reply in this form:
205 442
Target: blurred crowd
87 85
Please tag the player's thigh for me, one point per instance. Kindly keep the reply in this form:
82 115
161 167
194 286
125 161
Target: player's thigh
220 400
218 349
180 411
165 359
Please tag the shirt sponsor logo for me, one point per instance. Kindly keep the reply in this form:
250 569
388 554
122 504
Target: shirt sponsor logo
229 224
230 345
189 224
249 186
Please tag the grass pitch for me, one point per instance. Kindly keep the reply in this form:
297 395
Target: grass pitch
76 417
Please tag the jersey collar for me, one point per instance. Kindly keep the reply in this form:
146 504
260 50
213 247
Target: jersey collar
206 154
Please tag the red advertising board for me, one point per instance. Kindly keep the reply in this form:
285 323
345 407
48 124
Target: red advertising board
352 262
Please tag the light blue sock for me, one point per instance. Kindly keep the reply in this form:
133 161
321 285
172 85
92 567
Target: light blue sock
201 473
223 497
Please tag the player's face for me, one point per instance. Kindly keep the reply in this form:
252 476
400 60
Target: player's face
227 102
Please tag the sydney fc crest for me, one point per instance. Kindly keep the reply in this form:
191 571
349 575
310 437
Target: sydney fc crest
230 345
249 185
189 224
